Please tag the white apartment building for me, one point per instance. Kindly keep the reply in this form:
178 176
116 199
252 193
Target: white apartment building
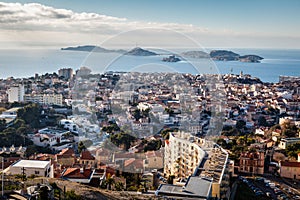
182 154
16 93
46 99
201 161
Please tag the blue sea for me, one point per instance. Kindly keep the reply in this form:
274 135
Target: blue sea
25 63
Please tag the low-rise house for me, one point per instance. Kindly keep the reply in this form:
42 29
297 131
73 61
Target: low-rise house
79 175
32 167
153 160
284 143
66 157
48 137
86 159
10 115
103 155
134 165
289 169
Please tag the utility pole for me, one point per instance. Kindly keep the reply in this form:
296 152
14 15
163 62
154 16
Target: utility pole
23 173
2 183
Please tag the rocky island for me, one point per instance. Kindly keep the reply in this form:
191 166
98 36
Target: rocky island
92 48
250 58
140 52
195 54
171 58
224 55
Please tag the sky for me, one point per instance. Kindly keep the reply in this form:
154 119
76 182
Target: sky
209 23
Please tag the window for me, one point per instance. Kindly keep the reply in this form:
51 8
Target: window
36 172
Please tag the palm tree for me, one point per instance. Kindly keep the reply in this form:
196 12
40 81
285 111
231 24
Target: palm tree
110 181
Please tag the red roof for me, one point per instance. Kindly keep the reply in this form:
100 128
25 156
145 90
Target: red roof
68 152
167 142
77 173
290 164
153 154
136 163
86 155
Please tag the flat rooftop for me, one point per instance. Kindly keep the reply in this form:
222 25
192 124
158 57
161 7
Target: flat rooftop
31 164
52 131
13 109
290 139
196 187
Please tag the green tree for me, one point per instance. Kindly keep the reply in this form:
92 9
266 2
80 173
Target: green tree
153 145
262 121
43 193
122 140
71 195
293 150
2 124
110 181
119 186
18 123
81 147
240 124
31 114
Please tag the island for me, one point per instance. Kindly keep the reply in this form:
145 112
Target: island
171 58
93 48
250 58
140 52
225 55
195 54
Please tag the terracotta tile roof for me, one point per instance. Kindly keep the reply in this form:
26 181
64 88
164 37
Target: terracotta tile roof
76 173
69 171
129 162
68 152
124 155
86 155
150 154
136 163
290 164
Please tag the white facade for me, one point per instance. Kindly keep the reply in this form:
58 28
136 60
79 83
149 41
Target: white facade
11 113
46 99
48 137
16 93
32 167
284 143
182 154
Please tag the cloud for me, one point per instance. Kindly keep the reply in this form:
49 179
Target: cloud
34 16
34 22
